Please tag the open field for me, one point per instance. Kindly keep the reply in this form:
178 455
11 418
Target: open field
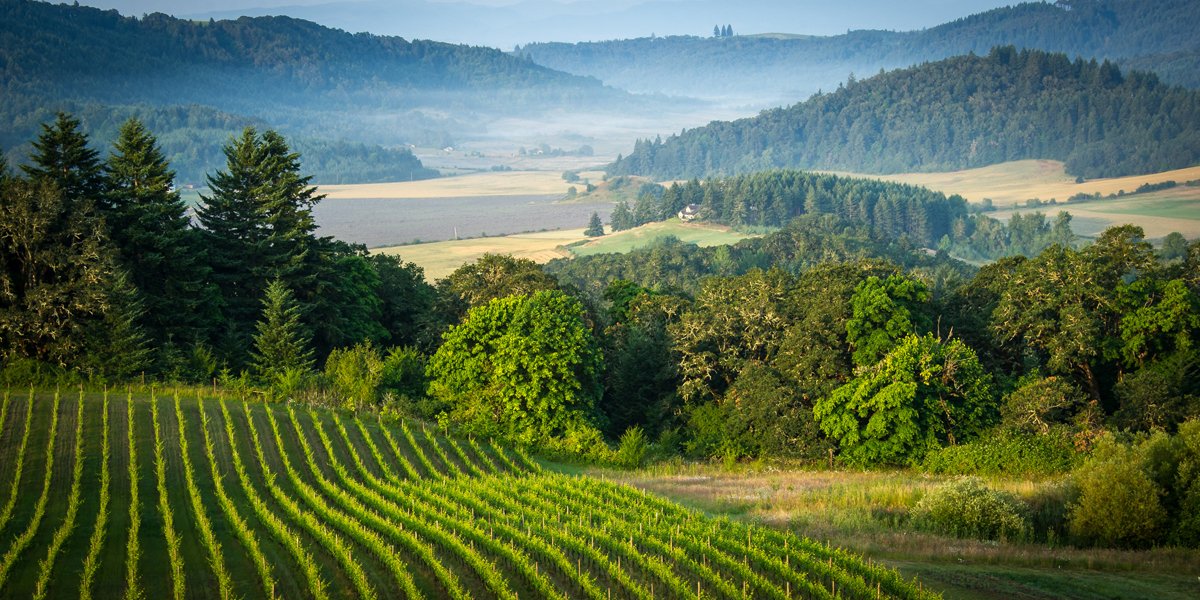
865 512
1015 182
439 259
510 183
1158 213
701 234
379 222
201 497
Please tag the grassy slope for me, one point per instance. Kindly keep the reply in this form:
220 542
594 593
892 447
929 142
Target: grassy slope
439 259
864 512
500 508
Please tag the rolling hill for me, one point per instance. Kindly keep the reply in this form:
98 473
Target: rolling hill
142 496
767 70
346 95
961 112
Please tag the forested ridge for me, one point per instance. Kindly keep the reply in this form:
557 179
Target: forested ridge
1155 36
957 113
199 82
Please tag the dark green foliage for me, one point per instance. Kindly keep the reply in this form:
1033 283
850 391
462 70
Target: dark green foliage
595 228
346 304
407 302
765 416
1174 247
281 343
923 395
1160 395
523 367
61 157
56 272
621 218
258 227
969 509
150 228
961 112
1040 405
642 369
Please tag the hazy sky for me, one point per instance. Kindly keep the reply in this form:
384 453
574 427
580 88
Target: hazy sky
502 23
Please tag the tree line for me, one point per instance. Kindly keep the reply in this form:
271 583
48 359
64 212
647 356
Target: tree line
962 112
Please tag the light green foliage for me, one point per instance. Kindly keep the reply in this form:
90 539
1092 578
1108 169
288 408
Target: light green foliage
967 508
354 375
883 313
1119 503
924 394
281 344
523 367
1001 451
632 448
1161 316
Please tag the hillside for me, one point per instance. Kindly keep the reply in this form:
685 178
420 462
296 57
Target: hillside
209 78
765 70
962 112
205 497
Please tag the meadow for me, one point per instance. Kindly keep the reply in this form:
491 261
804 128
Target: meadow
867 512
156 496
440 259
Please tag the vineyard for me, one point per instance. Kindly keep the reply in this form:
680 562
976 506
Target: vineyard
158 496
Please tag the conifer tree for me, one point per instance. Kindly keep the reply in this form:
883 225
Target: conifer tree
61 155
155 242
595 228
621 218
281 344
258 227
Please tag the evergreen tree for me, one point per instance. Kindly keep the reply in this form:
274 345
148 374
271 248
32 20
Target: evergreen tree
281 344
156 245
595 228
259 227
61 156
117 346
621 218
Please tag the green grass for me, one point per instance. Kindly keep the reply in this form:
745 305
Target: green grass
701 234
1177 203
297 502
866 512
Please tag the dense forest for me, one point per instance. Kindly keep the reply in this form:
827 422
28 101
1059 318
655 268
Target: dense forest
203 81
962 112
1155 36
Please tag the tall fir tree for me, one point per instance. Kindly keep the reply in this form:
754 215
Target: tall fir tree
281 343
148 223
595 228
258 227
61 155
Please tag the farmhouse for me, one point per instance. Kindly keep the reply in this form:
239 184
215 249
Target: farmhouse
689 212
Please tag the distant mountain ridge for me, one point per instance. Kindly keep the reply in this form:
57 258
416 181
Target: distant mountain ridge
1159 36
961 112
303 78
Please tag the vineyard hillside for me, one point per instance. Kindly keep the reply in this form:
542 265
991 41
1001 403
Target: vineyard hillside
162 496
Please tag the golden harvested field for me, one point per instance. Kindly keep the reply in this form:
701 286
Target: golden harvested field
440 259
1015 182
511 183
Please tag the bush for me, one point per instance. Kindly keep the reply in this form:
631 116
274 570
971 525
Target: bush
967 508
632 448
1005 452
1119 503
354 375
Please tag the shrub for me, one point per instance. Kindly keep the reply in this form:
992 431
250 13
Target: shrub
1005 452
967 508
632 448
354 375
1119 503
